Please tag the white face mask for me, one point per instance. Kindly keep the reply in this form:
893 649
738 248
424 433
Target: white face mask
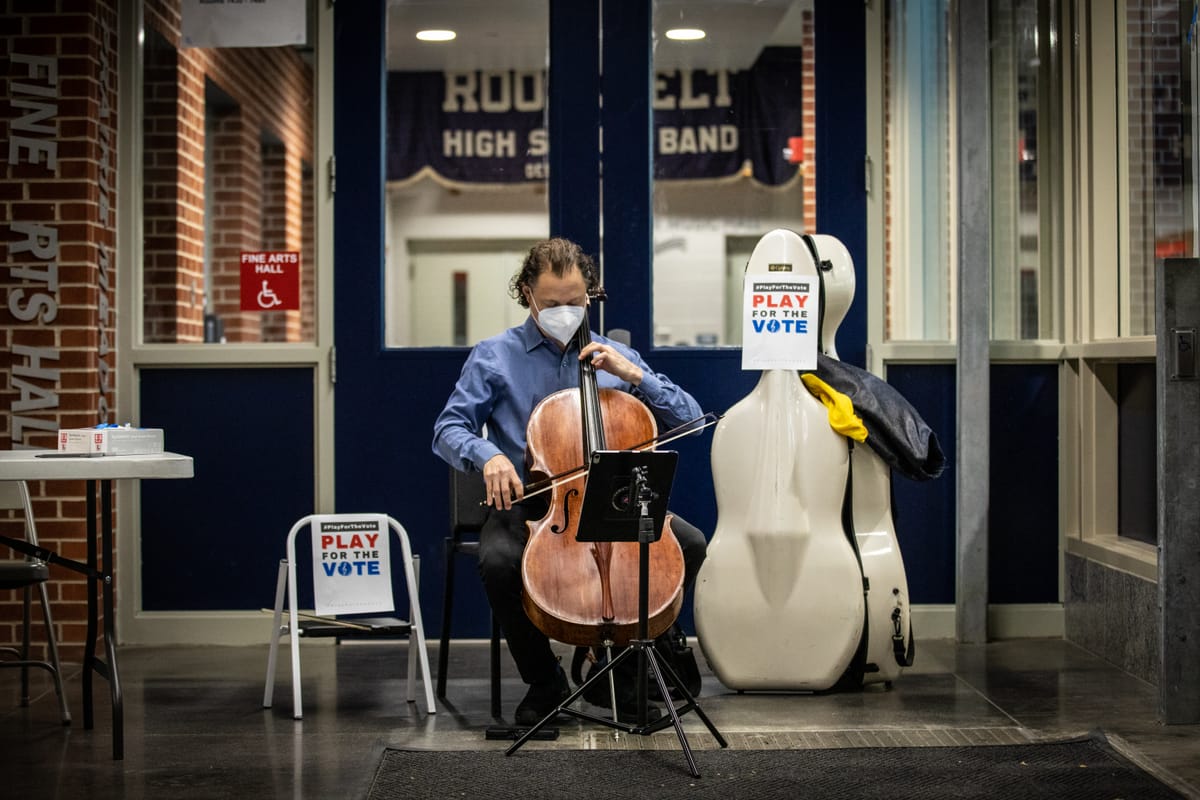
559 322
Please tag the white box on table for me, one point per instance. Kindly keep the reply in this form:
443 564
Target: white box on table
111 441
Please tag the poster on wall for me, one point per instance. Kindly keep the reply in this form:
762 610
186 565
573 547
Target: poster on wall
235 23
470 128
351 564
779 324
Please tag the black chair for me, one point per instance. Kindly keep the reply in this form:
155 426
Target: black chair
467 513
25 574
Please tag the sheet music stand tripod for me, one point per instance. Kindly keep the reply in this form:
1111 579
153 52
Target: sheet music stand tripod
625 501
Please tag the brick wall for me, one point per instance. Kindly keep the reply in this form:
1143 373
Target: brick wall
58 80
58 120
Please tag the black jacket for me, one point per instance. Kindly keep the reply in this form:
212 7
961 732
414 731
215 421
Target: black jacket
895 431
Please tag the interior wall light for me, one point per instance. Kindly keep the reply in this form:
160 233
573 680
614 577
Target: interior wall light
436 35
685 34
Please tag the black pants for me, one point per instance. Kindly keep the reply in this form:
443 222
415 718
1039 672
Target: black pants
501 544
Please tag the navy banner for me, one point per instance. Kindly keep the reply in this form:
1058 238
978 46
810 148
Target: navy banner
489 127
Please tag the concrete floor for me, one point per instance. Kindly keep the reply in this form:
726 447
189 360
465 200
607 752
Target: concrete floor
195 728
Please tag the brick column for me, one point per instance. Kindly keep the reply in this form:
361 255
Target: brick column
58 81
235 218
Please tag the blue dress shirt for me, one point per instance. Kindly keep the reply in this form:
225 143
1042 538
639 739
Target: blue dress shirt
506 376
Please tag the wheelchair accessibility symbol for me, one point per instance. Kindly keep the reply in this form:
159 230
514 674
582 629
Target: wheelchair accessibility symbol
268 298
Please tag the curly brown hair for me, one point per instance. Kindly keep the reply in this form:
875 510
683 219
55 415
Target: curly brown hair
558 256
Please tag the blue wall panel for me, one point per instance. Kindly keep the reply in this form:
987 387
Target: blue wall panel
1023 500
924 511
250 434
1023 561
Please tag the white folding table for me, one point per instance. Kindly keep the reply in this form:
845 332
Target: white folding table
41 465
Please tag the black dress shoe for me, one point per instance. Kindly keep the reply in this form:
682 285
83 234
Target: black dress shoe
541 699
629 713
624 679
674 652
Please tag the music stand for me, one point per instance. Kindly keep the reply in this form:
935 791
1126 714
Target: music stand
625 500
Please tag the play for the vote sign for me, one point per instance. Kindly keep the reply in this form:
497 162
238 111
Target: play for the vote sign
351 565
779 325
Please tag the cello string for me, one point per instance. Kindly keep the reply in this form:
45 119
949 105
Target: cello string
710 418
569 476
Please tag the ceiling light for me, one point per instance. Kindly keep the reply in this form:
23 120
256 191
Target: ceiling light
685 34
436 36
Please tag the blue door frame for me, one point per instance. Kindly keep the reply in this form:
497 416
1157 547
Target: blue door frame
387 399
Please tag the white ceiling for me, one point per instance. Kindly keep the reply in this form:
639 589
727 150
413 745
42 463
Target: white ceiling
511 34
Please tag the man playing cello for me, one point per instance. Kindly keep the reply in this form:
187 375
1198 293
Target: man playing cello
502 381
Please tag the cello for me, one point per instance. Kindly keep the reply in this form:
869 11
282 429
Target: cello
586 593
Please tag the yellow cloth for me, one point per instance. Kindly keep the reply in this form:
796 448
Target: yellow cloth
841 410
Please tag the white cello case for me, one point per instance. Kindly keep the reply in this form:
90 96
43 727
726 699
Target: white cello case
757 630
888 610
888 613
778 601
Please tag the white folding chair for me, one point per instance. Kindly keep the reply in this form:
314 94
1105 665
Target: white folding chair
299 625
24 574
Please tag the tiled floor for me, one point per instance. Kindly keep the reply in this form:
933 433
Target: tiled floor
195 727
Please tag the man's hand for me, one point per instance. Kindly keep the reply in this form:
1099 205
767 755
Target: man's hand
504 485
609 359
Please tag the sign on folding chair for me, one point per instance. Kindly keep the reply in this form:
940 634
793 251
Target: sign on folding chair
351 564
351 575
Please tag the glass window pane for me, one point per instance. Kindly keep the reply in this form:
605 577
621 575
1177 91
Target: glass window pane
228 191
733 142
1158 222
919 230
1020 276
466 166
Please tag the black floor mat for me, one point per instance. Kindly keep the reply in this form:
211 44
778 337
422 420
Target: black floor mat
1080 768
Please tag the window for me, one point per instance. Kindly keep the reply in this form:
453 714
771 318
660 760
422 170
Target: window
919 224
1090 188
919 162
1133 194
1023 276
227 191
1157 216
734 137
466 167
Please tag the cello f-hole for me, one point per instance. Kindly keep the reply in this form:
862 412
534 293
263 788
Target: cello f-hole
566 512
